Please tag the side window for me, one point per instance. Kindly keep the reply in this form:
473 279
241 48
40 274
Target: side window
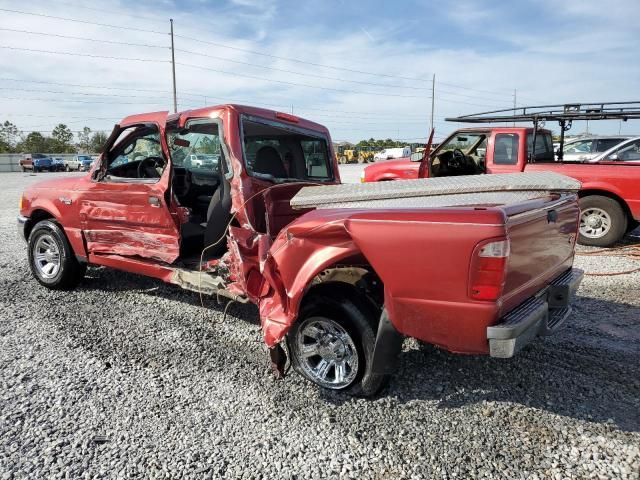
196 147
505 149
137 153
628 152
583 146
314 157
605 144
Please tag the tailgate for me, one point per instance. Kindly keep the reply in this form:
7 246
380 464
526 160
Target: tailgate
542 234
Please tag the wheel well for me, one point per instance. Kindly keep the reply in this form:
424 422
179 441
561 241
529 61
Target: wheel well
613 196
36 216
357 284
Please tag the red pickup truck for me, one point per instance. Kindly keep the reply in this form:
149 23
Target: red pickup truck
477 277
609 197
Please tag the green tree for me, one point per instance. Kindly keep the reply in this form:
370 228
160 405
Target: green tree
62 138
84 140
34 142
98 139
9 135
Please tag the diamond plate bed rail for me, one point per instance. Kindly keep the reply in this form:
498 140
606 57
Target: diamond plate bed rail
434 192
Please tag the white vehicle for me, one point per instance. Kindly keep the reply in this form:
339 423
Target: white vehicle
586 148
628 151
389 153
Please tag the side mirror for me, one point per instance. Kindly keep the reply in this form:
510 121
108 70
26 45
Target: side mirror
416 157
613 156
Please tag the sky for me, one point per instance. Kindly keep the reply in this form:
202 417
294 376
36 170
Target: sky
363 69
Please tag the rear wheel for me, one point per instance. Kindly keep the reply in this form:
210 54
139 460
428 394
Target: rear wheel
602 221
51 258
332 345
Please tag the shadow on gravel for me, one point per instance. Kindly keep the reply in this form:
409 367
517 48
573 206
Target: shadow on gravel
107 280
590 370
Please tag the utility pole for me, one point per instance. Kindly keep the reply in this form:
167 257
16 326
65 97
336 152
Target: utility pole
433 97
515 96
173 68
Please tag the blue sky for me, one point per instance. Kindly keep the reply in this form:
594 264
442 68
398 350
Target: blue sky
363 69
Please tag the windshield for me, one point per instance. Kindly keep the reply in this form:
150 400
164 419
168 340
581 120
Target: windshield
583 146
280 153
469 143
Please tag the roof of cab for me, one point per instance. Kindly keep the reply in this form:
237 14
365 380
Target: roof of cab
214 111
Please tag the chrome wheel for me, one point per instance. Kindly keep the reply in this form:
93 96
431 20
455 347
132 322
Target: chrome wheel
594 223
327 353
46 256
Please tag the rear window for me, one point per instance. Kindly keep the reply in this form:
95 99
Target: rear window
505 150
544 147
281 153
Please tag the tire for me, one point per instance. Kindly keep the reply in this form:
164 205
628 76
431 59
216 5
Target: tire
603 222
347 321
48 245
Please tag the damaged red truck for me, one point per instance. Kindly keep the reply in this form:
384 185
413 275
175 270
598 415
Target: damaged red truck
338 285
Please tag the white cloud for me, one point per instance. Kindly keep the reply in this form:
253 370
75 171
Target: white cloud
568 64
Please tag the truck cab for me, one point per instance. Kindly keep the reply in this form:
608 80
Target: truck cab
609 197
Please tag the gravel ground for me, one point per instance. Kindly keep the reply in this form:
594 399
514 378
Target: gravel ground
127 377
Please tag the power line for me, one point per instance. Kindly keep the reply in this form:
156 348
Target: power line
104 10
298 84
104 87
349 113
299 73
83 54
83 38
254 52
79 93
79 101
295 60
66 19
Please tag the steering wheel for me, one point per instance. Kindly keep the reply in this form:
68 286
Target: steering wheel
147 168
458 157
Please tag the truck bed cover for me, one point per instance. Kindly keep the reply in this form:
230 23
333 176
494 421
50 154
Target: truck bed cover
498 189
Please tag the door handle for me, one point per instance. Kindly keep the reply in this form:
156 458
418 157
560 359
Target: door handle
154 201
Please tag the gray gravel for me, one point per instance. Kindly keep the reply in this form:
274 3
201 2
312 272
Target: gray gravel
129 378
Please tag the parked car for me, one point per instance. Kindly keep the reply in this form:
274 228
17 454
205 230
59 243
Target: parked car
79 162
389 153
609 198
327 280
628 152
57 164
202 160
586 148
36 162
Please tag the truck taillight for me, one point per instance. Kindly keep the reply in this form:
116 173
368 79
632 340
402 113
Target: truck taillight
488 269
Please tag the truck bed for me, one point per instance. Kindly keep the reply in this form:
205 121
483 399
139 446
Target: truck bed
421 236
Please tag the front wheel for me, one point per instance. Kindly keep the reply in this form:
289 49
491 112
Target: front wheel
332 345
51 258
602 221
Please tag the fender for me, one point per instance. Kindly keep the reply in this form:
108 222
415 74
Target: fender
295 259
596 188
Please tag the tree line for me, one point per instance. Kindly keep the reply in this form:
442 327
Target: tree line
379 144
61 140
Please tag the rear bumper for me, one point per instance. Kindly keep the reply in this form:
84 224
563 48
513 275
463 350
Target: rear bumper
542 314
